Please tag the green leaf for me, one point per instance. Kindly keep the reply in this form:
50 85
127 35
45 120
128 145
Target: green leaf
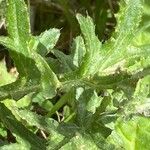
79 50
100 141
141 96
87 102
22 61
15 146
7 42
33 67
26 136
17 19
18 27
136 52
128 20
76 138
46 124
79 142
142 38
90 70
65 60
146 16
18 89
66 98
134 133
90 61
3 132
55 65
47 41
142 89
49 81
5 77
24 102
18 23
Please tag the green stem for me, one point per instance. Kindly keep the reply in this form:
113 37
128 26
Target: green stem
70 117
62 101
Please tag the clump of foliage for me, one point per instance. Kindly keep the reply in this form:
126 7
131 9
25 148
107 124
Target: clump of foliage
97 97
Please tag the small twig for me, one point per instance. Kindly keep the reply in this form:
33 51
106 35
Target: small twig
2 23
43 134
59 120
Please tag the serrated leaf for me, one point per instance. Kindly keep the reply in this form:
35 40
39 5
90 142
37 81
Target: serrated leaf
48 125
47 41
28 138
90 61
43 123
87 102
18 89
18 27
22 61
19 51
29 64
128 21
